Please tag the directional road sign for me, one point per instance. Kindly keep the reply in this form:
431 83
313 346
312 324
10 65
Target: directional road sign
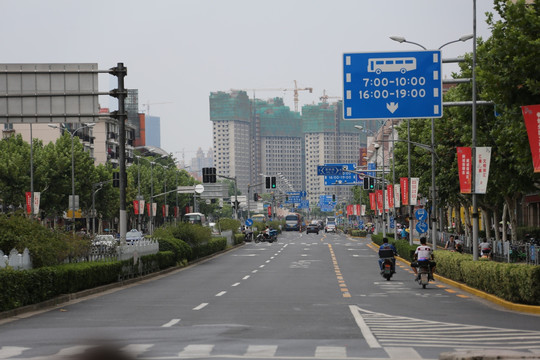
345 178
421 215
392 85
421 227
329 170
249 222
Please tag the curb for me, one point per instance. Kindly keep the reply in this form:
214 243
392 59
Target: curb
47 305
530 309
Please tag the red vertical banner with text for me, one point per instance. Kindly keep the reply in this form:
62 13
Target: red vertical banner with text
372 201
379 200
28 202
358 209
390 192
136 207
531 115
404 182
176 211
464 155
148 209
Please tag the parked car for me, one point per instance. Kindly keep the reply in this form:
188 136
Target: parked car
132 236
312 228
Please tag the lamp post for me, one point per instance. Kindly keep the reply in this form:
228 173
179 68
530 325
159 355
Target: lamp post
165 179
401 39
72 134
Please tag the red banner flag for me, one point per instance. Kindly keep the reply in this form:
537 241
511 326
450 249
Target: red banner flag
358 209
136 207
176 211
464 155
531 115
390 192
148 209
349 210
29 202
404 182
372 201
379 200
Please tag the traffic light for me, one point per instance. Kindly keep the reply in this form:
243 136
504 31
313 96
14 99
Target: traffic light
255 197
116 179
366 183
273 182
268 182
334 197
209 175
371 183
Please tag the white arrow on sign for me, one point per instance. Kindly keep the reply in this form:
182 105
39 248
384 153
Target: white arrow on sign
392 107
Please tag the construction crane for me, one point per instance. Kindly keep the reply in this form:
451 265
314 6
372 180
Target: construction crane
148 103
325 97
296 90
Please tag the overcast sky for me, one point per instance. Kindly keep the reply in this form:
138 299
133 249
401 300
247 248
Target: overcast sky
177 52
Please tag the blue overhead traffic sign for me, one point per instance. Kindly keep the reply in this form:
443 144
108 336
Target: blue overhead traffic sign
249 222
392 85
329 170
345 178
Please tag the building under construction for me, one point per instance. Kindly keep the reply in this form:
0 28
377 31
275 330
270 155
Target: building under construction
254 138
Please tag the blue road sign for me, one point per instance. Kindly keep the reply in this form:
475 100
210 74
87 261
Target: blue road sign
304 204
392 85
249 222
329 170
421 227
345 178
421 215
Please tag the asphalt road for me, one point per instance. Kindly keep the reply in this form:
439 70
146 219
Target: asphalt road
304 297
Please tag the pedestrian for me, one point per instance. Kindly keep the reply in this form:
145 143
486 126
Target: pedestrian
450 244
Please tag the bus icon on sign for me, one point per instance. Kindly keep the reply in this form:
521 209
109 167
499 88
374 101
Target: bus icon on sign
402 65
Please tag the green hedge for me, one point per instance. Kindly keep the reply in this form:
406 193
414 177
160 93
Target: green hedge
238 239
26 287
359 233
512 282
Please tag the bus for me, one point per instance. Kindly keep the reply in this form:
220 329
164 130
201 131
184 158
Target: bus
402 65
195 218
258 218
294 222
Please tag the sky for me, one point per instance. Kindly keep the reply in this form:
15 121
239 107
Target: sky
179 51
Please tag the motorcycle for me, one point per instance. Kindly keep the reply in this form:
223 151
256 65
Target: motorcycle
424 273
270 238
387 257
248 236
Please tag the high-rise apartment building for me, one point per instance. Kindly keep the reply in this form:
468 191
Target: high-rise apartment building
256 138
153 131
231 117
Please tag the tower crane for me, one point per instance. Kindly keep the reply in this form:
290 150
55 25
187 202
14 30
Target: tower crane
148 103
296 90
325 97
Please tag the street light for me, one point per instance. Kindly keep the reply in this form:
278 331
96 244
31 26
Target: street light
72 133
463 38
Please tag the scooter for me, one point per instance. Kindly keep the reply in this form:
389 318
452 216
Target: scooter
270 238
387 257
387 271
424 273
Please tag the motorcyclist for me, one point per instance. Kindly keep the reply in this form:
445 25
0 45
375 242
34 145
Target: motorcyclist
450 244
267 232
384 249
423 253
485 249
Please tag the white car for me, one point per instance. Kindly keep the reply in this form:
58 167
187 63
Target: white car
330 227
133 235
